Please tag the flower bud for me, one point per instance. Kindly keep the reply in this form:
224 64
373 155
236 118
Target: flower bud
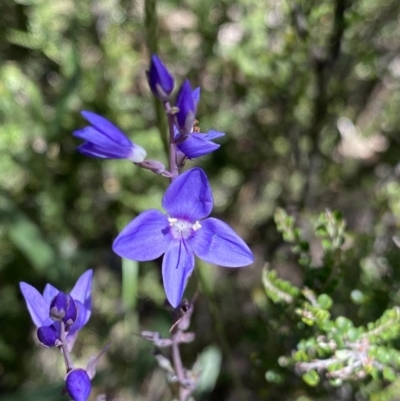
78 385
48 336
185 116
160 80
63 308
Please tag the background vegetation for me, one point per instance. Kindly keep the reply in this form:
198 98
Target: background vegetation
308 94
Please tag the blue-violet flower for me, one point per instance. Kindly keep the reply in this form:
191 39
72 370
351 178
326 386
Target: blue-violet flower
77 384
198 144
160 80
106 141
185 231
39 308
186 109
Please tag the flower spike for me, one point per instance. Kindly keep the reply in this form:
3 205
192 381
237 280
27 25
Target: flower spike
185 231
106 141
160 80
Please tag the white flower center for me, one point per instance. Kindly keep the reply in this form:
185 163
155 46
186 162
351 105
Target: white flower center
182 229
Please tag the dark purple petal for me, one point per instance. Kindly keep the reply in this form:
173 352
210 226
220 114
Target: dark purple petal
82 290
82 318
78 385
215 242
145 238
160 80
63 308
105 127
197 145
189 196
49 293
185 117
196 96
48 336
178 264
38 308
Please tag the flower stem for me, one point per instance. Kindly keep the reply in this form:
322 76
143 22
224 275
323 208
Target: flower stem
184 392
173 168
64 347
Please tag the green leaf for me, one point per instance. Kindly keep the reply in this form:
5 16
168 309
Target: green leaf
208 365
278 290
311 378
389 374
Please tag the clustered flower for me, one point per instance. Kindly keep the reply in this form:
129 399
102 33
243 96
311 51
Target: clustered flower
184 231
59 317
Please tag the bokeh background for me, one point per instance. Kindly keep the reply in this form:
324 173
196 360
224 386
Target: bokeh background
308 94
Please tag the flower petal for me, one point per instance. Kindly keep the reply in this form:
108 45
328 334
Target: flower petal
145 238
212 134
37 306
178 264
93 135
197 145
91 150
185 116
215 242
49 293
196 95
83 288
106 127
134 153
82 318
189 196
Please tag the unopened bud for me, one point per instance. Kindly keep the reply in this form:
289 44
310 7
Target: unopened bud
78 385
63 308
160 80
48 336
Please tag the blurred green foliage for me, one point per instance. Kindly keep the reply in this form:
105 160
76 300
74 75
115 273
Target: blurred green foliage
308 94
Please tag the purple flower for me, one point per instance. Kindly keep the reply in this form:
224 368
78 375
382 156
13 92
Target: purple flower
185 116
105 140
39 307
160 80
77 384
185 231
198 144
